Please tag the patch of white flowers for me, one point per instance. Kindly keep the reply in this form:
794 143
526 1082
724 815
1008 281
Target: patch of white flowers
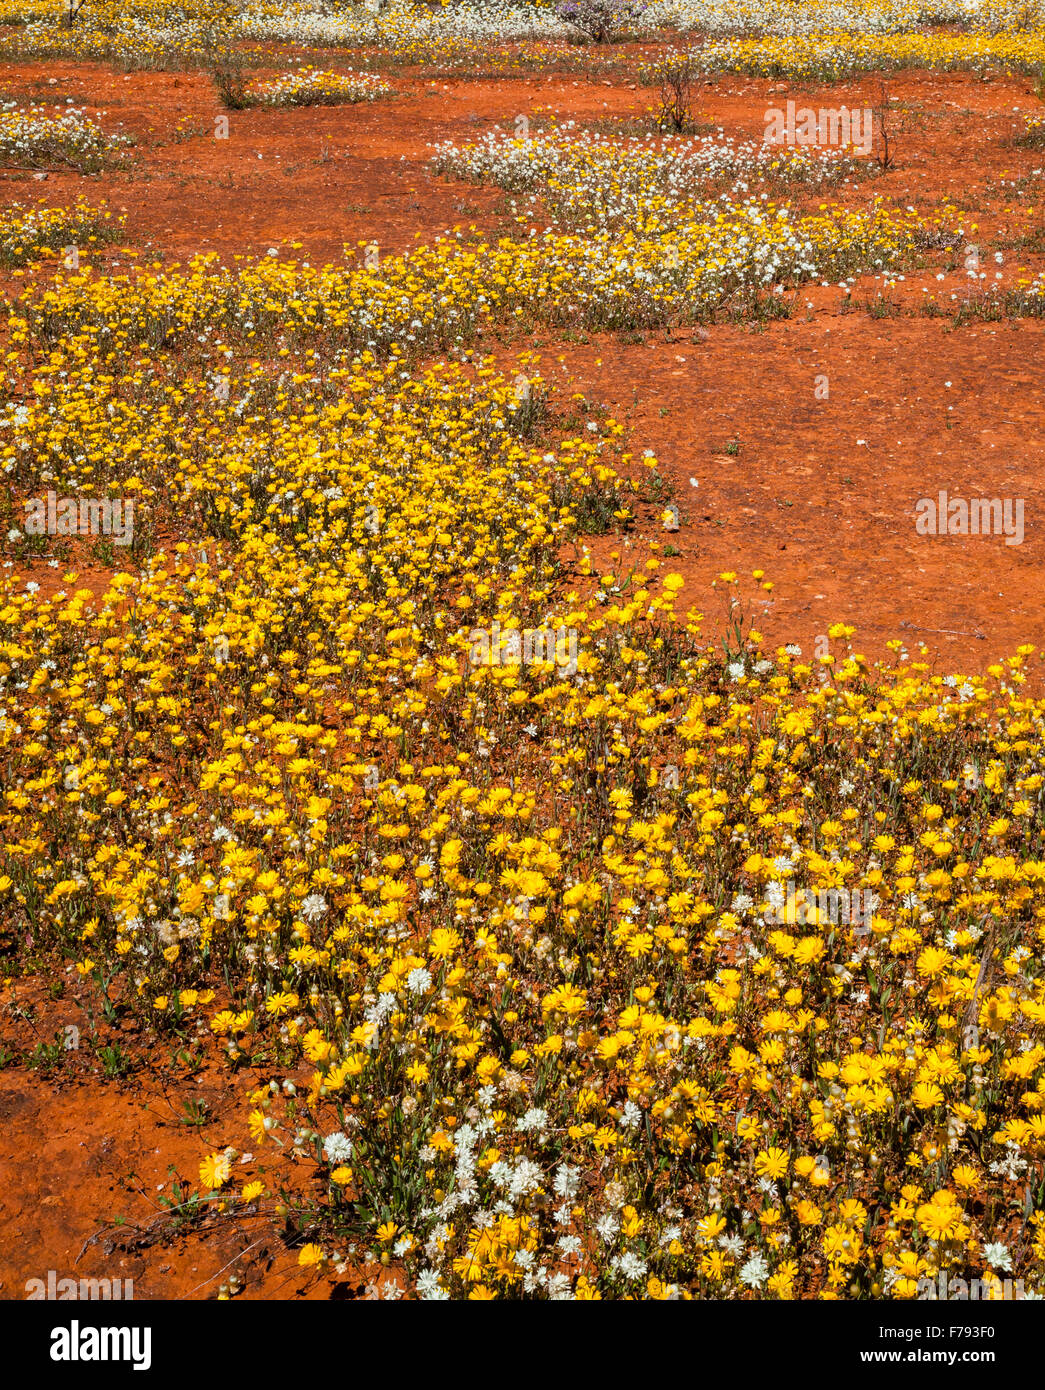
588 180
311 87
36 138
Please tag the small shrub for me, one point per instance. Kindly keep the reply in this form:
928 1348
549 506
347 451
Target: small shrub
311 87
678 76
600 21
1032 137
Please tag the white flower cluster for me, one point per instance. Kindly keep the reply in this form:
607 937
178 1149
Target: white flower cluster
35 138
311 87
338 1148
746 18
590 179
366 25
293 24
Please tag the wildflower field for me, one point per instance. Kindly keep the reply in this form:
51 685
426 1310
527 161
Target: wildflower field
517 780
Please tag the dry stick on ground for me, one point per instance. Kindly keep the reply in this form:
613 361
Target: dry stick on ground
210 1221
947 631
677 77
880 117
224 1267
